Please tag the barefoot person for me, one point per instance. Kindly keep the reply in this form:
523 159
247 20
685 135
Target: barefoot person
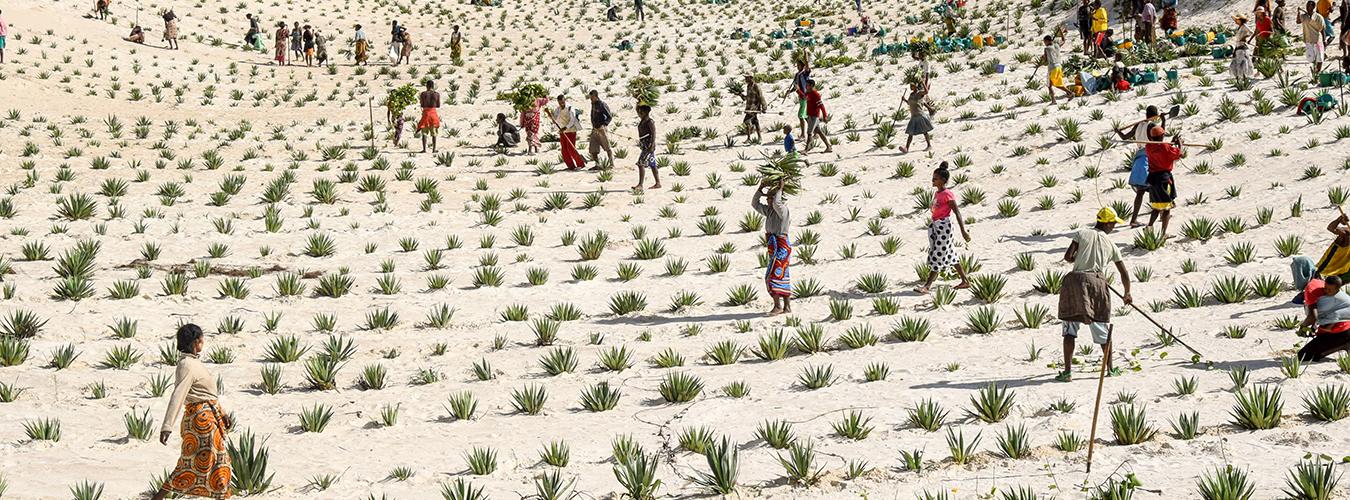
297 43
799 88
919 122
170 28
1084 299
307 43
1328 319
203 468
816 116
755 106
565 118
361 51
430 124
646 147
4 31
1162 189
1241 67
1335 261
529 120
283 35
1314 26
1139 164
599 139
508 136
941 244
1054 71
456 46
777 219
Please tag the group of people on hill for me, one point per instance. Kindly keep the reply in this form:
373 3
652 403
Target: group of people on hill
291 45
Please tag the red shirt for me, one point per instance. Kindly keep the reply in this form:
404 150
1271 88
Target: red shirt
814 106
1161 157
1315 290
942 204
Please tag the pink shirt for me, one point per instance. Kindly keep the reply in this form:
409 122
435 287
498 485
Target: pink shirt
3 29
942 204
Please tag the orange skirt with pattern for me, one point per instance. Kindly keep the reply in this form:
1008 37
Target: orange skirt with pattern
203 468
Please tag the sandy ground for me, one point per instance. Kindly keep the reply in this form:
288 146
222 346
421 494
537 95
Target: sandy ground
60 102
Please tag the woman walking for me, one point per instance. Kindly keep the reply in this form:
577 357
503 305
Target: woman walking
941 245
203 468
283 35
320 48
919 122
778 218
362 49
297 43
529 120
1241 67
170 28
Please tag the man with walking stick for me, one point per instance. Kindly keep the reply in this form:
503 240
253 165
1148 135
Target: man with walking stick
1085 297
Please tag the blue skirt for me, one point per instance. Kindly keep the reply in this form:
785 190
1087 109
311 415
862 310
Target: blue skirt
1139 170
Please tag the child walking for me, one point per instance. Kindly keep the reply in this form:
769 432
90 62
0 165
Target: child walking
647 144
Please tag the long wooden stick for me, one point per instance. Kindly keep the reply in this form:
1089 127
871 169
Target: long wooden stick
1190 144
1155 323
1096 407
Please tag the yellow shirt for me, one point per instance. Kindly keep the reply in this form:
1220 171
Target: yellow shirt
1099 20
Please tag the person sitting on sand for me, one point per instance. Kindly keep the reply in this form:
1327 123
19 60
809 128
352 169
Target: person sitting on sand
203 468
777 218
941 244
1084 298
430 124
1335 261
1139 164
508 136
137 35
1162 189
919 122
1328 319
646 147
1106 44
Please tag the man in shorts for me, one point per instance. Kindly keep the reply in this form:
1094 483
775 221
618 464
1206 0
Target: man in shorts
1054 69
1314 28
1085 297
799 88
599 138
430 123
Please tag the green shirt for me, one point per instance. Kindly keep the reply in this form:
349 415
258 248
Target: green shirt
1095 251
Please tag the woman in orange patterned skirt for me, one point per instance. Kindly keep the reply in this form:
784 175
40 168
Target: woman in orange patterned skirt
203 468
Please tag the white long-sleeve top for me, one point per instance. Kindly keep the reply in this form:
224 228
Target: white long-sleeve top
192 384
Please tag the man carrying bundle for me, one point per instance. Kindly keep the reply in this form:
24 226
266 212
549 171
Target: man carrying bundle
1085 297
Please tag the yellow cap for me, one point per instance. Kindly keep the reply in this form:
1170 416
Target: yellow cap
1108 216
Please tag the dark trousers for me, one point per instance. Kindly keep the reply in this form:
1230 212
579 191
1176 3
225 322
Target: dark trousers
1322 346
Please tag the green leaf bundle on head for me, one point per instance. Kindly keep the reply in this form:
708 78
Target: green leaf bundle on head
524 96
784 171
646 90
401 97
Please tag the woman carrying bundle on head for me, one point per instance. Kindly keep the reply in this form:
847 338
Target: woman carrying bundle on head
777 220
941 243
203 468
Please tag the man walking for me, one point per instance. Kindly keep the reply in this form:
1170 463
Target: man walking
755 106
816 116
1085 298
1054 70
637 7
599 138
1084 18
565 118
647 148
1314 27
430 124
1148 15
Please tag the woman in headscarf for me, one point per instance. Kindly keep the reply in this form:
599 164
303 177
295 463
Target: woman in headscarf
1241 67
171 29
283 35
362 49
203 468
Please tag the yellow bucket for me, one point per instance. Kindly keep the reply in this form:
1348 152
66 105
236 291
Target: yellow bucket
1126 44
977 41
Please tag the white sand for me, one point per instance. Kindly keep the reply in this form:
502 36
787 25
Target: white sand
94 444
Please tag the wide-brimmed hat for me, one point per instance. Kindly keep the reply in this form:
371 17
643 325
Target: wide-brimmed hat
1240 18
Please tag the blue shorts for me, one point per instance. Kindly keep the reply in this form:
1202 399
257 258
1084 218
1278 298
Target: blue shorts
647 160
